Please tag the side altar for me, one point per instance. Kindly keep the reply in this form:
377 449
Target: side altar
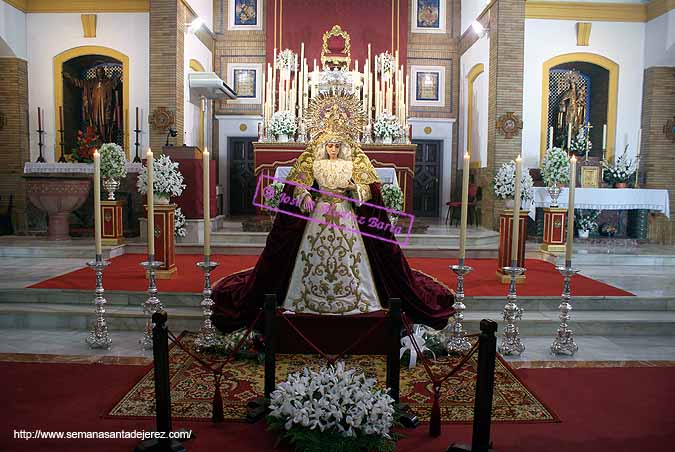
267 157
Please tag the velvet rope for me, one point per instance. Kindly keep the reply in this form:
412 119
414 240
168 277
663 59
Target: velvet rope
435 420
324 355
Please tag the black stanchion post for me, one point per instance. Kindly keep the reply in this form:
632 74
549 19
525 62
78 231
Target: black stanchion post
160 352
258 408
482 409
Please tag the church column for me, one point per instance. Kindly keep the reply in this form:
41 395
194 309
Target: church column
658 166
14 138
505 88
167 34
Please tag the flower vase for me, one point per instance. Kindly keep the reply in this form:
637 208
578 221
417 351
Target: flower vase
282 138
161 198
554 192
387 139
509 203
583 234
620 185
111 185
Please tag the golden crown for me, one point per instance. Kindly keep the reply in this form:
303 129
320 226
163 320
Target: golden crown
335 114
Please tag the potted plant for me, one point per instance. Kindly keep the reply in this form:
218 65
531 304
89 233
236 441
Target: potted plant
504 184
621 172
333 409
555 171
387 128
608 229
393 199
586 222
168 181
283 125
85 144
113 167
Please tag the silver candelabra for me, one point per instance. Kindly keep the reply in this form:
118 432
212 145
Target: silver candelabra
511 343
152 304
99 337
208 336
457 342
564 344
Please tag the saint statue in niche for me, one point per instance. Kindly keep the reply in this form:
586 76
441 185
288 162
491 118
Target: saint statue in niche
572 106
100 103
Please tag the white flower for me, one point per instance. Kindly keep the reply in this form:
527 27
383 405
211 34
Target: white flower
386 64
286 60
113 161
386 125
179 223
167 179
505 180
555 167
283 123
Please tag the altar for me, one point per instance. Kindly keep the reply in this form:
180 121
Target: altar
399 159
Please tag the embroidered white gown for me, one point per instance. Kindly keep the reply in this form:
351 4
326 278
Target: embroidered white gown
332 274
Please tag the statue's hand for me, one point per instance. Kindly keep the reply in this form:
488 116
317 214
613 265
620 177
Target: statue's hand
308 204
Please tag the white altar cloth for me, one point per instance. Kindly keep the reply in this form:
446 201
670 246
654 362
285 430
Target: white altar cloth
71 168
387 175
607 199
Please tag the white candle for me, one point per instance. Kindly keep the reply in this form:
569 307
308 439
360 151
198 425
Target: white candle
97 201
207 204
550 137
639 143
570 212
604 137
515 225
465 207
569 136
151 204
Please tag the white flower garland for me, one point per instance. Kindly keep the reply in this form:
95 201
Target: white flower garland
113 161
505 181
168 180
386 125
283 123
555 167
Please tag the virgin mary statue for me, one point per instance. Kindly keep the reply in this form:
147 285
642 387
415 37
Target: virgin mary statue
335 264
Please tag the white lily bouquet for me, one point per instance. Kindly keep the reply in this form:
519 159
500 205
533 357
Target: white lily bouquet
621 172
283 123
179 224
113 161
332 409
505 180
556 167
578 143
386 126
168 181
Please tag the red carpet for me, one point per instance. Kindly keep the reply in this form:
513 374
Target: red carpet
125 274
601 409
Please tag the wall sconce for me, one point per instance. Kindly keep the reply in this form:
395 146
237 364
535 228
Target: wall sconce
195 25
479 29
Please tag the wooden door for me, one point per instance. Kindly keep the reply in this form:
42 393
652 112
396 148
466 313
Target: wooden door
427 180
242 177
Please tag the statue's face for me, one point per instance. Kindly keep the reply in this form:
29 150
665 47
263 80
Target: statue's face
100 73
333 150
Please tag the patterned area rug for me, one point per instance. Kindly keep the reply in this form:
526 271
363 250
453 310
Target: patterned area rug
192 388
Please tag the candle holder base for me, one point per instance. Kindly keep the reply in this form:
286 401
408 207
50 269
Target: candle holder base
99 336
152 304
564 343
208 336
457 341
511 343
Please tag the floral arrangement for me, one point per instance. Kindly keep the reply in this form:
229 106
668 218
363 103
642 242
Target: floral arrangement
168 181
505 180
283 123
586 220
393 199
621 172
386 125
179 224
332 409
386 64
431 342
272 194
578 143
556 167
286 60
85 144
609 229
113 161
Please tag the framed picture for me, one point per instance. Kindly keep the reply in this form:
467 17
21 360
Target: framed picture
245 14
590 176
428 16
428 86
244 78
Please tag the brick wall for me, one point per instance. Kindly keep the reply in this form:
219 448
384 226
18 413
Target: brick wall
14 137
658 152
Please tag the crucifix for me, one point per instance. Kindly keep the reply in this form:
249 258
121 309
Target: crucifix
588 137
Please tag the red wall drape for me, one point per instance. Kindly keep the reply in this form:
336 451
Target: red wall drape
382 23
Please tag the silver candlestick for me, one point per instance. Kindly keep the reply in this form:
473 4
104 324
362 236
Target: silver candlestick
510 343
564 344
152 304
99 337
457 342
208 336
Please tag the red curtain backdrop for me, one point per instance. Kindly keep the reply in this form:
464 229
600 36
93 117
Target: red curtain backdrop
382 23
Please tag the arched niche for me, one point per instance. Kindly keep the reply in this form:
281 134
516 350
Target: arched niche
602 74
471 145
82 59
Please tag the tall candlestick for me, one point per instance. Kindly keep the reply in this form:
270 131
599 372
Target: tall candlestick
604 138
207 204
570 212
550 137
569 136
61 118
151 205
465 207
97 202
515 225
639 142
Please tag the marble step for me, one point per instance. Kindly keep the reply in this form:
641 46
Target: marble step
42 248
125 318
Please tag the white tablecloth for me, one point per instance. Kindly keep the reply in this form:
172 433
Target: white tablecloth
387 175
607 199
71 168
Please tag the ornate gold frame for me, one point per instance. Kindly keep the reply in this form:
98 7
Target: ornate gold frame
336 31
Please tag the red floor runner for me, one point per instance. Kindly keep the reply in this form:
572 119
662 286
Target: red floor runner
601 409
125 274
